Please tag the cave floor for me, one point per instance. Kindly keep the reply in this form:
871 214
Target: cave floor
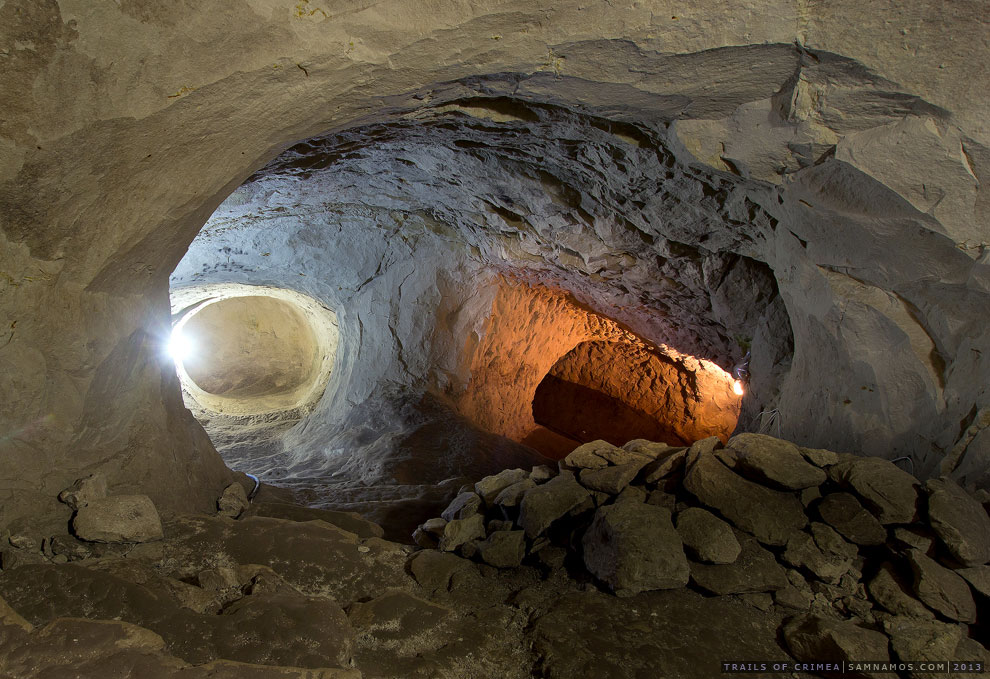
280 594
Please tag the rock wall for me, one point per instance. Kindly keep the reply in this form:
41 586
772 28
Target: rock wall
843 147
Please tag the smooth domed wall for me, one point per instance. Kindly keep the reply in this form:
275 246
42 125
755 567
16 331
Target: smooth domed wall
845 148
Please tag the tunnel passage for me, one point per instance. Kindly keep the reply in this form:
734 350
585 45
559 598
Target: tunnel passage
244 351
619 391
250 347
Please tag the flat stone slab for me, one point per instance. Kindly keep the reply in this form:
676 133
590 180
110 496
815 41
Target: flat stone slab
118 518
889 492
959 521
706 537
941 589
772 516
774 462
845 514
755 570
546 503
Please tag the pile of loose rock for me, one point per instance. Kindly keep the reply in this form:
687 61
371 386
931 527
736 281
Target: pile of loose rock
875 564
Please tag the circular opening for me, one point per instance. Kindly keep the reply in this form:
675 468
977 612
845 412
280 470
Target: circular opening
248 347
245 350
618 392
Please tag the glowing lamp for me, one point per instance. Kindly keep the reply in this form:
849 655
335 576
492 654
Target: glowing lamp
737 387
179 347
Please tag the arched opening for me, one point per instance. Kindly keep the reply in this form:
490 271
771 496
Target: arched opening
619 391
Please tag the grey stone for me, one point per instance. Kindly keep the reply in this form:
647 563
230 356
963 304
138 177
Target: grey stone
890 592
652 449
792 597
503 548
424 539
632 493
978 578
460 531
587 456
462 506
772 516
634 548
889 492
552 557
803 552
434 570
512 495
755 570
960 522
498 524
775 462
809 495
665 465
707 537
490 486
612 479
662 499
761 601
84 491
120 518
922 640
546 503
819 456
845 514
233 501
434 526
813 638
542 473
940 589
918 537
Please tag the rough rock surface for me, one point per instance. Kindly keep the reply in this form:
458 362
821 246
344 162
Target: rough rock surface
771 460
890 492
755 570
844 513
960 522
544 504
233 501
941 589
706 537
118 518
635 548
814 638
772 516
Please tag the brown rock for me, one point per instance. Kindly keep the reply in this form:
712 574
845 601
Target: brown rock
772 516
755 570
460 531
812 638
546 503
774 462
960 522
707 537
490 486
634 548
611 479
891 593
233 501
888 491
941 589
461 507
845 514
120 518
503 548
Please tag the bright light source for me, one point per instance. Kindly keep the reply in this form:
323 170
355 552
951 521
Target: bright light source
737 387
179 347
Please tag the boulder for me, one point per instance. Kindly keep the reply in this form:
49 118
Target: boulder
633 547
707 537
432 526
586 456
978 578
612 479
845 514
434 570
775 462
490 486
888 491
503 548
119 518
772 516
819 456
915 640
233 501
461 507
84 491
918 537
512 495
665 465
890 592
546 503
460 531
941 589
959 521
803 552
542 473
816 639
755 570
